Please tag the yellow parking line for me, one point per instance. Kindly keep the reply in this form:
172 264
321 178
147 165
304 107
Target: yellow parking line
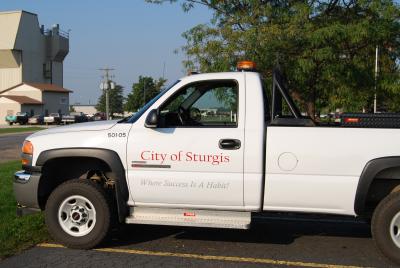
210 257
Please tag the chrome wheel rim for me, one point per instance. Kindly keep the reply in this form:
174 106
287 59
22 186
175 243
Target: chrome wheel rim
395 229
77 215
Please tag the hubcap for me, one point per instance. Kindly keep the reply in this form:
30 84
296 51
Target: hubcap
77 215
395 229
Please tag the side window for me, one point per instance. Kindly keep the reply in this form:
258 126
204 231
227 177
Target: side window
204 104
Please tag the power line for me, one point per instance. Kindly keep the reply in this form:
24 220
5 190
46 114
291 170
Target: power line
107 75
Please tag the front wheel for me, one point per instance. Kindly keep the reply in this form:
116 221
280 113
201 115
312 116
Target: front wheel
386 226
78 214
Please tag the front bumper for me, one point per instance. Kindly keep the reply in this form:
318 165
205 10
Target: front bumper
26 191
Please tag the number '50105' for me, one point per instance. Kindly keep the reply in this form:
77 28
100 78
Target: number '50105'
116 135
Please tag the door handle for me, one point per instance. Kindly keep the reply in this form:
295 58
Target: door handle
229 144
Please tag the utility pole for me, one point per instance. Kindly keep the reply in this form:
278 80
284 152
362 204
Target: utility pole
144 93
106 85
163 71
376 76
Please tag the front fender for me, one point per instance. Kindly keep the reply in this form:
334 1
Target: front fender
111 158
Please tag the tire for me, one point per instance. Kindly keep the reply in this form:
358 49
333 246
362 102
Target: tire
78 214
385 227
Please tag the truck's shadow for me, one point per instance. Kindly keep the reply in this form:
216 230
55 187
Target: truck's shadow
269 232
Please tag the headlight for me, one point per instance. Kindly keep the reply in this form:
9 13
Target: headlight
27 152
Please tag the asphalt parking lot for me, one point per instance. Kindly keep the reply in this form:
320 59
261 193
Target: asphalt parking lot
10 146
270 243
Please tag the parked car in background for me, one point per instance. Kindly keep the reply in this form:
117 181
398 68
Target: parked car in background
36 120
99 116
67 119
53 118
74 117
90 117
11 119
20 118
79 117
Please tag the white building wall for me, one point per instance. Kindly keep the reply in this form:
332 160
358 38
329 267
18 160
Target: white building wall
8 106
25 90
86 109
10 77
9 22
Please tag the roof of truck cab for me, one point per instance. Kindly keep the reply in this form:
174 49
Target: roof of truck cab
217 76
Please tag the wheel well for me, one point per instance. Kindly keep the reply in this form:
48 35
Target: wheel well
385 182
58 170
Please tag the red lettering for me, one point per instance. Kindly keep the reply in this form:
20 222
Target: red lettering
142 155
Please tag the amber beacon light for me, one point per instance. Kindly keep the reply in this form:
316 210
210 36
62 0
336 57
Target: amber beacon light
246 65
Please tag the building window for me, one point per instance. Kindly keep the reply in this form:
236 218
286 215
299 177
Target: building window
47 70
63 100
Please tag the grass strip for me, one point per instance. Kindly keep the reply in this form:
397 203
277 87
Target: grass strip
16 233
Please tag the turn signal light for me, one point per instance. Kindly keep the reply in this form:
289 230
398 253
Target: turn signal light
25 161
246 65
27 147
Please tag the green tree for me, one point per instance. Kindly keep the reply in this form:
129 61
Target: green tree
326 48
116 100
143 91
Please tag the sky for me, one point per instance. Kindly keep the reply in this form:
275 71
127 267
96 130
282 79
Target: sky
131 36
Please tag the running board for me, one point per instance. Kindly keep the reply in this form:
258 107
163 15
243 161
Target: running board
187 217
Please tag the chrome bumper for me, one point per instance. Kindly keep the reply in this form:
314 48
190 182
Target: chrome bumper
26 190
22 177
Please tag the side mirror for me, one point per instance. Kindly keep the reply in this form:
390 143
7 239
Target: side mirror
152 119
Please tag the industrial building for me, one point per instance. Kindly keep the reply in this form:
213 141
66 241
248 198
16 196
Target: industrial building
31 66
84 108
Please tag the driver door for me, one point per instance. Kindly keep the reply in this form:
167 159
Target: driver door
195 156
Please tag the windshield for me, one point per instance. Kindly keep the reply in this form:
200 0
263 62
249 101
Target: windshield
142 110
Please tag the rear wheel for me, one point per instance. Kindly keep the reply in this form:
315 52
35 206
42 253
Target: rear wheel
386 226
78 214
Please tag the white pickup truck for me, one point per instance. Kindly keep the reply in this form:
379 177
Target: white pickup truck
212 150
